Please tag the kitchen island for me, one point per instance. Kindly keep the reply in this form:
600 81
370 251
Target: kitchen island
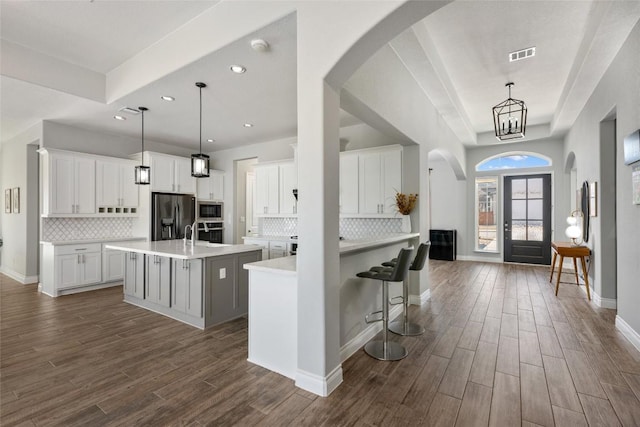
201 285
273 304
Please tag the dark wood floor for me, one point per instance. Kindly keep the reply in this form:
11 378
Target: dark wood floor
500 349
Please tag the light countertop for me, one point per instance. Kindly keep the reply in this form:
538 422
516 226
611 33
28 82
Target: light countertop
287 265
83 241
178 249
276 238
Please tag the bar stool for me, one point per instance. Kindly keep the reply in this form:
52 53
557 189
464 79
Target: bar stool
385 350
404 327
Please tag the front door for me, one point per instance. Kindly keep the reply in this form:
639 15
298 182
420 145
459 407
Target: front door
527 219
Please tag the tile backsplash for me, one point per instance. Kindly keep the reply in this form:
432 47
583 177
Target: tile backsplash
58 229
350 228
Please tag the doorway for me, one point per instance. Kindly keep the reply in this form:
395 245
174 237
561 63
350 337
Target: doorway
527 219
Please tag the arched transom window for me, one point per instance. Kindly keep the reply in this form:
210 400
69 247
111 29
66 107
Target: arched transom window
516 160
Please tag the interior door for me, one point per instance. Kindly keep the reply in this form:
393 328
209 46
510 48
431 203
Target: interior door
527 219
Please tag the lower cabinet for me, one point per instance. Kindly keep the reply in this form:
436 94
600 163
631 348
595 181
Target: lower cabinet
112 265
186 293
134 274
158 283
227 293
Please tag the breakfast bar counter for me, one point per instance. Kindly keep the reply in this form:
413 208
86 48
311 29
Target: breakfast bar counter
273 301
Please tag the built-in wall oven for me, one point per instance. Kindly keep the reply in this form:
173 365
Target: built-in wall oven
210 231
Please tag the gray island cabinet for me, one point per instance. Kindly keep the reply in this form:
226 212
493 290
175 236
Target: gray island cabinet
198 285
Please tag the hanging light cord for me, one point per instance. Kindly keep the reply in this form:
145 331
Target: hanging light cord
142 161
200 120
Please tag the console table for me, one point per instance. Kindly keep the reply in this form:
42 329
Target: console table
565 249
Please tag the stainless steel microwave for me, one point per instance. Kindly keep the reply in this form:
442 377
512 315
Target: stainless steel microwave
209 211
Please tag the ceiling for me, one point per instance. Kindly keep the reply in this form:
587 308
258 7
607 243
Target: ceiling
458 55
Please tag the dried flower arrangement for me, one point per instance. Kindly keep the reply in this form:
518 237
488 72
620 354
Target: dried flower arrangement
406 202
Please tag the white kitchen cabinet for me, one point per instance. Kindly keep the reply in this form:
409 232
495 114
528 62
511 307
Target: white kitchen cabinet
264 244
171 174
288 180
379 178
278 249
348 183
112 265
267 189
134 275
186 292
69 184
211 188
158 281
77 265
116 190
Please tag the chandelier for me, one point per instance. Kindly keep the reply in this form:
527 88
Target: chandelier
510 118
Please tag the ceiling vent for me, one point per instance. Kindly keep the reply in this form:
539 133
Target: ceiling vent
522 54
129 110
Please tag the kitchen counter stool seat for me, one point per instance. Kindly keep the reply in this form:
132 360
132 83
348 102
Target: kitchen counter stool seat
404 327
385 349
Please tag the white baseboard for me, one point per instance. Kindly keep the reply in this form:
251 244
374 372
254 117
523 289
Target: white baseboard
628 332
367 335
25 280
597 299
316 384
420 299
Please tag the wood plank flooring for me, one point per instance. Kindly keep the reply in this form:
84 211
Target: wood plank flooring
500 349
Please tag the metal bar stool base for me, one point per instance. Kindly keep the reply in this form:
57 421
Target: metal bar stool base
405 329
394 351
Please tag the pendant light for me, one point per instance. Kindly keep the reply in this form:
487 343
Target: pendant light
200 162
142 173
510 118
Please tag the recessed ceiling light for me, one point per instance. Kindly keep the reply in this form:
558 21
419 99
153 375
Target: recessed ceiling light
248 125
210 140
119 117
129 110
238 69
167 98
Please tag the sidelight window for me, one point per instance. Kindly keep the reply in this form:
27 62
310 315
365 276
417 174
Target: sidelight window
486 214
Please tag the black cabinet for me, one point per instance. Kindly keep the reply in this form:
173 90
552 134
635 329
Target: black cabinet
443 244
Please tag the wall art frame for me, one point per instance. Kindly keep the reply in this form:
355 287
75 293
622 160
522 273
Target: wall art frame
7 200
15 195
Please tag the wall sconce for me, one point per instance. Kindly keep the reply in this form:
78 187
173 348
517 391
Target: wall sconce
573 231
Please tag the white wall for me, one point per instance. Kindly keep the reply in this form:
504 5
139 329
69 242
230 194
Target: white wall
20 250
448 201
618 90
561 205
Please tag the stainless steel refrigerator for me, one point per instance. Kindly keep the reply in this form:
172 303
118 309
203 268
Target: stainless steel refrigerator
170 214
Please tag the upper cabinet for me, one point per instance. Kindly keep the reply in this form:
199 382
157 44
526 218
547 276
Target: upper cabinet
380 177
369 180
171 174
85 185
211 188
288 180
349 183
69 182
115 185
274 188
267 189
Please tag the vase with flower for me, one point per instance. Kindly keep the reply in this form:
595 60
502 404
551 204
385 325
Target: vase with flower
405 204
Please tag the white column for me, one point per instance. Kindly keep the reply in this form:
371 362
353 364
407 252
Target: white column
319 369
425 220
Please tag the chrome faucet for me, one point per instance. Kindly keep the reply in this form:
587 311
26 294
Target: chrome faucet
193 233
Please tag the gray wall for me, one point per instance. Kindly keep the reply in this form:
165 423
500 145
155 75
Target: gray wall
449 202
618 92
